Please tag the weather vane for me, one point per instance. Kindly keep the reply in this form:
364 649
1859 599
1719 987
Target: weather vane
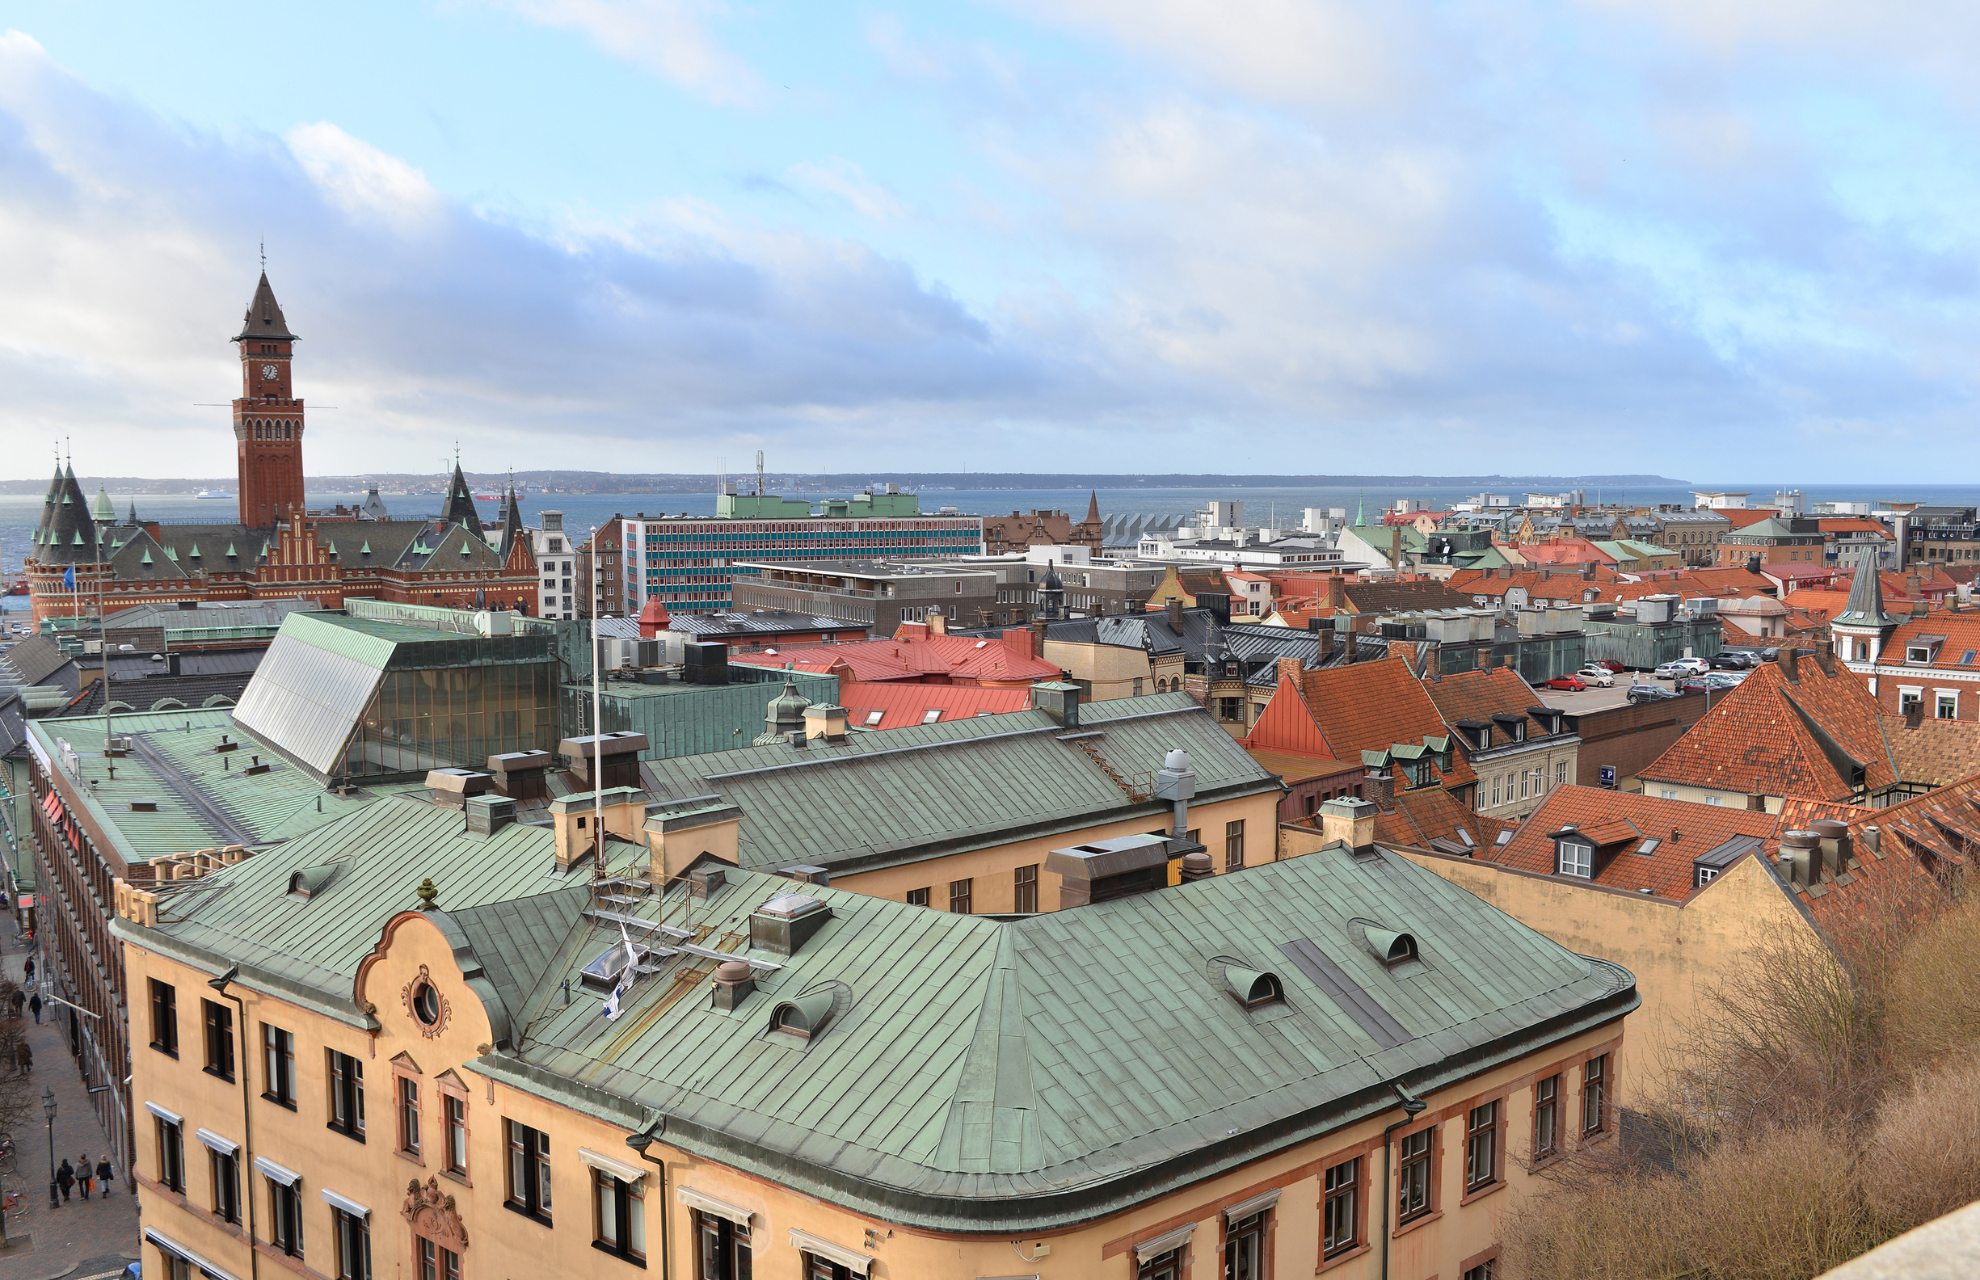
264 257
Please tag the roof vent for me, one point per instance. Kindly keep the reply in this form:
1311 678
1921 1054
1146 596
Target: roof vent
734 981
1387 945
804 1017
1254 989
310 881
783 925
1196 866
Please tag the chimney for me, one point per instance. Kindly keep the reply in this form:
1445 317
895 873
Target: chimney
1172 609
1289 669
1176 781
706 880
1835 843
734 981
519 775
1791 665
823 720
1753 563
1588 570
1195 866
1348 821
450 788
487 815
571 819
617 752
1801 858
1825 659
1058 699
1337 591
808 875
938 622
1380 788
1038 637
1108 869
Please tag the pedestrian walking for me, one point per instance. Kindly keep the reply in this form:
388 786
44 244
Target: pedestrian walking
105 1176
28 972
65 1178
19 999
24 1058
35 1004
85 1173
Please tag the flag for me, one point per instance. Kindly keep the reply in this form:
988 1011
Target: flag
69 578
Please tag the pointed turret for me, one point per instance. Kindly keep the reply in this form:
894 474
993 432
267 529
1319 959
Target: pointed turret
460 503
105 512
264 317
70 532
512 525
48 506
1866 601
131 518
374 506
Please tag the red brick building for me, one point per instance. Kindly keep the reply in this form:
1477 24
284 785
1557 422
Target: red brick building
84 563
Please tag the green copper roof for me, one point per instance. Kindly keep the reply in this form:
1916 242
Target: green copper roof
972 1075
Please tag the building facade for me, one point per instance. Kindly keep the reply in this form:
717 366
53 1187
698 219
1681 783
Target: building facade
556 561
875 595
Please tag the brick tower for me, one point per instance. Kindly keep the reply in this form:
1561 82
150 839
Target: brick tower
268 420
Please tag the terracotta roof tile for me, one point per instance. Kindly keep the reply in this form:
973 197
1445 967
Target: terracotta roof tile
1480 695
1365 706
1621 822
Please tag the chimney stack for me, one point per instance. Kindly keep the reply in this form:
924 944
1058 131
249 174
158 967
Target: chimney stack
1348 821
1835 843
1801 858
1380 788
1791 665
1038 637
1172 609
1176 781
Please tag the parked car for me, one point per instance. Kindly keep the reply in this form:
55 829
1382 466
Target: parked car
1600 677
1649 693
1570 684
1733 660
1770 654
1609 664
1711 680
1679 668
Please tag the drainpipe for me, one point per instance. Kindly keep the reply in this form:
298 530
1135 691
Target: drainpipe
640 1142
1412 1107
244 1168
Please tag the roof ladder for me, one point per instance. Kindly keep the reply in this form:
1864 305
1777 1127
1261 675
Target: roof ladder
1093 754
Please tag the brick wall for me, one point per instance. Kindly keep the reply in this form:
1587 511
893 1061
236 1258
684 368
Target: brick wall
1630 737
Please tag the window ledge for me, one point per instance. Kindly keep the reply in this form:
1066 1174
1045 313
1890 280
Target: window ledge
217 1074
410 1157
610 1252
280 1102
1498 1184
354 1136
1345 1256
170 1053
517 1209
454 1176
1414 1223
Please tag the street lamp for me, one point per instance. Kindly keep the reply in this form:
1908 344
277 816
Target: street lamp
48 1109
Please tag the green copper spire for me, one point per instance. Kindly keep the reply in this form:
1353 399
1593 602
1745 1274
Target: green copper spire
105 513
1360 511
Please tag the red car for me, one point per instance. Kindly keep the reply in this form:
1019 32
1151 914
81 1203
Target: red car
1610 663
1572 684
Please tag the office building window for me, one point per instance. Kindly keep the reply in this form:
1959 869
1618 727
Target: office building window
1495 788
1137 686
347 1095
224 1169
721 1250
285 1230
529 1168
438 1262
1481 1152
1594 1095
456 1133
219 1039
353 1246
619 1216
164 1018
171 1155
1244 1248
278 1048
1025 895
1547 1117
917 897
1341 1217
409 1115
1413 1176
1233 845
959 892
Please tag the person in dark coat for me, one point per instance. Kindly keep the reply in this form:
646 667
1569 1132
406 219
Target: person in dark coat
65 1178
105 1176
20 998
24 1058
85 1173
35 1004
28 973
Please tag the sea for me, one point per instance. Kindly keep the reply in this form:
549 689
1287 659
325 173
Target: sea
1263 505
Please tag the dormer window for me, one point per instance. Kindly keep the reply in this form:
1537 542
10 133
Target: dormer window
1573 858
1918 653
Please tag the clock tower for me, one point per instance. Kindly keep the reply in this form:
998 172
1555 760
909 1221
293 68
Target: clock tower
268 419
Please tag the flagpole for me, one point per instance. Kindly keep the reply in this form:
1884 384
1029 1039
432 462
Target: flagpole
597 755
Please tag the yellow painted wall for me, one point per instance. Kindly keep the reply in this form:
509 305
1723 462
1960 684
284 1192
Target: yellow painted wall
993 870
505 1245
1674 950
1109 669
1511 804
1704 795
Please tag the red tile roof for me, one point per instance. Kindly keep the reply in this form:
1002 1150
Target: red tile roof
1432 818
1343 711
1619 822
962 659
1849 524
1917 841
1774 736
1480 695
1956 635
1564 551
901 703
1741 517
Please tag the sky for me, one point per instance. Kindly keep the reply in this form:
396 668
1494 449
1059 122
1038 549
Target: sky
1713 239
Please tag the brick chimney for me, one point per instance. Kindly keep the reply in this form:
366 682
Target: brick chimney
1172 609
1336 591
1038 637
1791 665
1379 789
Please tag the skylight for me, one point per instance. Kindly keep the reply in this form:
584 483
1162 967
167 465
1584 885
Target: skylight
931 715
873 718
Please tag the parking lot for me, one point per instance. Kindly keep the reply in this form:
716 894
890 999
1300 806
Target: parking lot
1595 699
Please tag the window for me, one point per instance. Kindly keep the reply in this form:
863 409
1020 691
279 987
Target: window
278 1049
1230 709
409 1115
529 1169
1244 1248
219 1039
285 1217
1948 706
619 1216
456 1108
873 718
438 1262
1495 789
1909 700
1668 794
1233 845
224 1167
1560 773
1413 1176
1547 1118
1712 799
1705 876
1575 859
931 715
721 1250
353 1246
1026 896
817 1268
347 1095
959 896
1137 686
164 1018
176 1268
1483 1271
1481 1151
171 1155
1341 1218
917 897
1594 1087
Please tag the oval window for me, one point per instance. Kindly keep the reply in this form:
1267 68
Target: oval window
426 1004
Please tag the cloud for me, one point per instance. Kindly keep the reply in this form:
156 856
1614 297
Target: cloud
363 181
847 181
669 38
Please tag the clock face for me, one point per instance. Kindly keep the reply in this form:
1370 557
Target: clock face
268 371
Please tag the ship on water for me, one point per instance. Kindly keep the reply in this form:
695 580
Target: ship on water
213 493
